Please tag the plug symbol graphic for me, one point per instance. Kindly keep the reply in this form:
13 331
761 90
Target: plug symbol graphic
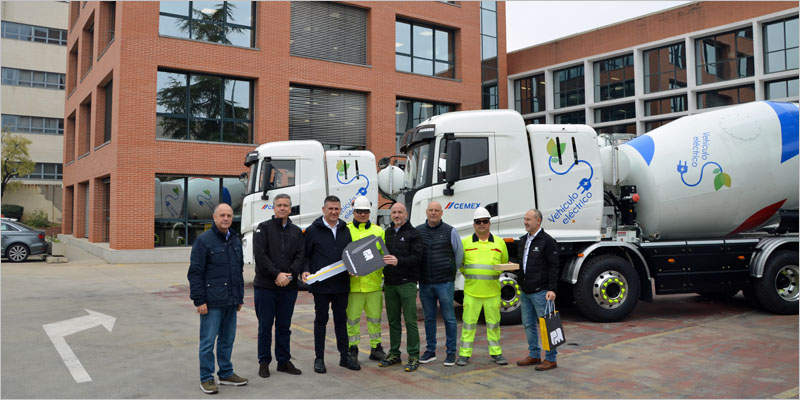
682 168
585 184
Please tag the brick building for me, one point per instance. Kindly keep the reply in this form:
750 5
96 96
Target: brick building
163 96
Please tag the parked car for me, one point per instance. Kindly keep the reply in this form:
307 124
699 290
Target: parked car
21 241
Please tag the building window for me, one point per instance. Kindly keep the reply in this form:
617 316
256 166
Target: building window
613 78
650 125
624 128
575 117
780 45
226 22
425 50
491 98
32 33
184 206
725 56
569 87
108 90
410 113
615 113
665 106
28 124
781 89
726 97
529 94
203 107
535 121
37 79
45 172
333 117
489 93
329 31
665 68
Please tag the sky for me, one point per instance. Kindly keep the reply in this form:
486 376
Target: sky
533 22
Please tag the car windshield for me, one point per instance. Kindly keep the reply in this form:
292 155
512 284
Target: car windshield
417 166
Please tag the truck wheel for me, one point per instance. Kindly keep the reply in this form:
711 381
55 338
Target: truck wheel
607 289
510 302
778 289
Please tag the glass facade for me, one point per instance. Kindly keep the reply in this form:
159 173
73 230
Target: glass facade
665 68
28 124
45 172
725 56
569 87
36 79
650 125
780 45
726 96
423 49
535 121
615 113
32 33
624 128
781 89
665 105
490 95
410 113
613 78
226 22
529 94
336 118
576 117
203 107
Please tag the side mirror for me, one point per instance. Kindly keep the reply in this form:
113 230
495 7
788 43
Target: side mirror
266 177
453 173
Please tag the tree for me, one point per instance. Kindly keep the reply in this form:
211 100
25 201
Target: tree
16 160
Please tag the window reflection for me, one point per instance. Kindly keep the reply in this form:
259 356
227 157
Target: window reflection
209 21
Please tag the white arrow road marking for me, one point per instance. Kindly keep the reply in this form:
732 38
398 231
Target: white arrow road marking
58 330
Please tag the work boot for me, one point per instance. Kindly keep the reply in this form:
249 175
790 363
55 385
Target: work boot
354 352
209 387
462 361
349 363
390 360
413 364
499 359
377 353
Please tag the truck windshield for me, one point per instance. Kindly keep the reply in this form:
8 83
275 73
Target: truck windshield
417 174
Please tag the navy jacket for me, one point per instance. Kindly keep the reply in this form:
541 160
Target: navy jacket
322 250
277 249
215 270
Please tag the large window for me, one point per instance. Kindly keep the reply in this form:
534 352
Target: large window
227 22
203 107
650 125
615 113
726 97
28 124
781 89
665 68
333 117
45 172
576 117
529 94
423 49
410 113
613 78
329 31
665 106
32 33
535 121
780 45
37 79
490 95
569 87
725 56
624 128
184 206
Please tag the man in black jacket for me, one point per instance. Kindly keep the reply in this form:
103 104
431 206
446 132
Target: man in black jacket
325 241
538 254
400 286
216 286
278 251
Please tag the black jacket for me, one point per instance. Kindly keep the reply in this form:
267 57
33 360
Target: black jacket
406 245
277 249
321 250
215 269
541 272
441 253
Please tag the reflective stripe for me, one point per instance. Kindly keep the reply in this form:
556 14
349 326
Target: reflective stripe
469 327
493 343
353 338
353 321
481 277
374 320
375 335
492 326
467 345
479 266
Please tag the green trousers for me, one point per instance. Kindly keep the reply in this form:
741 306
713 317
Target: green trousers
372 304
402 299
472 310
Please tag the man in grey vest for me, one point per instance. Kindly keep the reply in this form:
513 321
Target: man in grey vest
441 253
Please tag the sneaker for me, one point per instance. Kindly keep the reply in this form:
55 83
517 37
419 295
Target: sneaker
428 357
413 364
377 354
209 387
353 352
462 361
289 368
233 380
500 360
263 370
391 360
349 363
450 360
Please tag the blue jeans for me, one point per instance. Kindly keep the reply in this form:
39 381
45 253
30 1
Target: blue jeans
533 308
219 326
274 306
428 294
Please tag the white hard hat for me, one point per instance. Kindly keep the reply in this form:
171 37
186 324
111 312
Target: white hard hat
481 212
362 203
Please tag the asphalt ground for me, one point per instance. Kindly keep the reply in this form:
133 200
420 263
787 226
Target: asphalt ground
680 346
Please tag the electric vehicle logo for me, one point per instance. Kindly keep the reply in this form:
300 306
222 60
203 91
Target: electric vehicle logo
574 203
701 148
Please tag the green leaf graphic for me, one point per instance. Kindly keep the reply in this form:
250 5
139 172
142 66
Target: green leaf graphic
727 179
716 170
339 166
175 190
553 150
721 180
206 191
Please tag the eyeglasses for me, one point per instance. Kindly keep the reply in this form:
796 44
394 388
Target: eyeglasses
481 221
361 211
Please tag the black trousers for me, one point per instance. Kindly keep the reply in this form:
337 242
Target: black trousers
338 303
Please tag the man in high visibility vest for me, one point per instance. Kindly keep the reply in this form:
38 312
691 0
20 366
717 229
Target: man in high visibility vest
365 291
482 251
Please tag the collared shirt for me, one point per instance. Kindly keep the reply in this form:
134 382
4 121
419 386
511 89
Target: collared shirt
332 228
527 247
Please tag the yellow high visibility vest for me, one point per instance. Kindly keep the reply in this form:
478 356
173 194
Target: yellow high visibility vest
372 281
480 278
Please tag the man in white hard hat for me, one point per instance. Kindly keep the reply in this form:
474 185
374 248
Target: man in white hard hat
365 291
482 251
